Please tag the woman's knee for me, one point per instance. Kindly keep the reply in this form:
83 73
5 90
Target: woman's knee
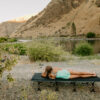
74 76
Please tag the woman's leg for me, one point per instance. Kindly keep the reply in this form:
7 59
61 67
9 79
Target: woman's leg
80 73
74 76
82 76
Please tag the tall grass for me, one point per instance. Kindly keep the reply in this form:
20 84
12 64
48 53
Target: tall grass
48 95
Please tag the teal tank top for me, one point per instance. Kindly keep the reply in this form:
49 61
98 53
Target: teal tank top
64 74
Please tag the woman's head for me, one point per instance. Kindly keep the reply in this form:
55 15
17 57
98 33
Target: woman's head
48 70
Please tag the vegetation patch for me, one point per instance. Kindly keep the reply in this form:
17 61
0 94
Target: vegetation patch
5 39
17 48
91 35
73 28
45 51
83 49
10 78
48 95
6 63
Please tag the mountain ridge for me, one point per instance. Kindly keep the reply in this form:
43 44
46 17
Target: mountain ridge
8 27
62 18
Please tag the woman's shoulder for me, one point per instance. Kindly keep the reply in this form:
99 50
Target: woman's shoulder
57 68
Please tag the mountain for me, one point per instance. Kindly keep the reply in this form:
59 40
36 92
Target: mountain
63 18
21 19
8 27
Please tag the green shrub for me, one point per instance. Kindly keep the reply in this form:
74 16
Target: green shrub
12 40
8 63
18 48
90 35
83 49
45 52
3 39
10 78
73 28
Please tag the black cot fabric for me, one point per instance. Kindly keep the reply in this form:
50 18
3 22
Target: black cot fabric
37 77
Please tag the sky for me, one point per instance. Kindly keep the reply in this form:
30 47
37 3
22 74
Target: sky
11 9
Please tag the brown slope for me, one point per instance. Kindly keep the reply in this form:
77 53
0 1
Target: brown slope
57 18
8 27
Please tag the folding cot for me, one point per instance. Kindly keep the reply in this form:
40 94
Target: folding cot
37 78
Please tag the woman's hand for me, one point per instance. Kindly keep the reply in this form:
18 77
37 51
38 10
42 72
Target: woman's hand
43 74
52 76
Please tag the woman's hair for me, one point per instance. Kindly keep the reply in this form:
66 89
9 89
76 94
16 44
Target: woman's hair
48 70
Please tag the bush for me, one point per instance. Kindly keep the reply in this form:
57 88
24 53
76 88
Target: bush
73 28
3 39
90 35
18 48
45 52
12 40
7 64
83 49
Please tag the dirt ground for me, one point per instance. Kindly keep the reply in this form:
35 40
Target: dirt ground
23 89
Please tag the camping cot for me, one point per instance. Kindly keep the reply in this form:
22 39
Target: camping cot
37 78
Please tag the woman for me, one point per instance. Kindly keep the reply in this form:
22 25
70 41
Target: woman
56 72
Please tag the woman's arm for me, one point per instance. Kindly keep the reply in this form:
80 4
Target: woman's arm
43 74
52 76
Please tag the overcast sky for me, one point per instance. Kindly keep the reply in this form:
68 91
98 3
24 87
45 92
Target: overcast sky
10 9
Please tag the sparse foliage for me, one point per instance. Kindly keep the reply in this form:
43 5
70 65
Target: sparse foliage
48 95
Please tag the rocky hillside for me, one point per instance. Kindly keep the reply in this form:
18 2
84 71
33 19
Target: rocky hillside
62 18
8 27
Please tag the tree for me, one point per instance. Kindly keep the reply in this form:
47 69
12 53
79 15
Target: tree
73 28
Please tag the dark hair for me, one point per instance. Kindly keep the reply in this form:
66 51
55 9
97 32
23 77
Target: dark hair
48 70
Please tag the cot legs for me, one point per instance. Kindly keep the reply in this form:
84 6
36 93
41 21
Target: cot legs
56 86
74 85
39 86
93 89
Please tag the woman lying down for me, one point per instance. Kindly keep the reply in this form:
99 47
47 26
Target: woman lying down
56 72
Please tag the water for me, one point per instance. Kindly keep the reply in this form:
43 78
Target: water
24 40
69 45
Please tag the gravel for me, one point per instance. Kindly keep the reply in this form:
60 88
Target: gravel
22 87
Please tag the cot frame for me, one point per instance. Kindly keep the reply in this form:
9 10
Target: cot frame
37 78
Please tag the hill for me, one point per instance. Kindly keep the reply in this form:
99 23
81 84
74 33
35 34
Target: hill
63 18
8 27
